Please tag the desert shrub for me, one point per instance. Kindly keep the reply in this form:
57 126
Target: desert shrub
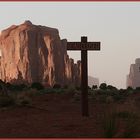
90 92
56 86
53 90
122 91
129 88
71 90
6 101
94 87
23 101
132 126
137 90
109 99
78 88
109 124
31 92
127 114
59 91
17 98
123 114
94 98
65 86
111 87
103 86
17 87
47 90
100 92
3 83
76 97
24 98
37 86
102 98
9 86
118 97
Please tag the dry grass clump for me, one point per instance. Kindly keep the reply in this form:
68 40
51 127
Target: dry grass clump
121 120
18 98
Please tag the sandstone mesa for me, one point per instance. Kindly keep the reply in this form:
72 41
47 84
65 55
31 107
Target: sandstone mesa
34 53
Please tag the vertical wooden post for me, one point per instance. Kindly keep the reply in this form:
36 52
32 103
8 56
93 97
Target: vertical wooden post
84 79
84 46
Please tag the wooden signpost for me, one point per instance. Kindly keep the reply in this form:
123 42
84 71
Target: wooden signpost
84 46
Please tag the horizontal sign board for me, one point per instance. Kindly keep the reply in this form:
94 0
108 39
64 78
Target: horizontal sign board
83 46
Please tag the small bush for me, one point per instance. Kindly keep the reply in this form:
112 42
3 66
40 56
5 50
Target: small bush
78 88
37 86
57 86
94 87
137 90
119 97
102 92
23 98
109 125
123 114
6 101
102 98
31 92
109 99
17 87
122 91
132 126
47 90
111 87
23 101
65 86
103 86
71 90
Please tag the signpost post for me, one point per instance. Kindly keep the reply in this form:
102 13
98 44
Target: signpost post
84 46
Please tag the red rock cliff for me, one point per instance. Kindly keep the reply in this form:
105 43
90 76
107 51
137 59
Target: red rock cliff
35 53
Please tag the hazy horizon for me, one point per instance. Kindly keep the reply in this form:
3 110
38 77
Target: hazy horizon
114 24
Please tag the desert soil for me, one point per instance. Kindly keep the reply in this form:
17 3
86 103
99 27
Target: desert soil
52 116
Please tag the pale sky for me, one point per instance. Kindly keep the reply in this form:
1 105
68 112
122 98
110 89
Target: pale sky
115 24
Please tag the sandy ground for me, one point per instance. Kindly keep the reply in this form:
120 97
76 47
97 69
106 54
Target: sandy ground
52 115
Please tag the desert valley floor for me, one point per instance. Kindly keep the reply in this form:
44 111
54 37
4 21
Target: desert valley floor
59 115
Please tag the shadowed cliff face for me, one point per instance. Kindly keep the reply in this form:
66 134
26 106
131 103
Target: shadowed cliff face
35 53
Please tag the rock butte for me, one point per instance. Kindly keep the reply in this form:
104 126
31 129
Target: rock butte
34 53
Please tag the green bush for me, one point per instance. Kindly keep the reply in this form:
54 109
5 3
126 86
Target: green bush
71 90
118 97
123 114
137 90
65 86
17 87
109 123
109 99
78 88
57 86
132 126
23 101
94 87
111 87
6 101
103 86
122 91
37 86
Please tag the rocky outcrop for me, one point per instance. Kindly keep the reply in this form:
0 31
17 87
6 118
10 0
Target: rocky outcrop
34 53
133 78
72 71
